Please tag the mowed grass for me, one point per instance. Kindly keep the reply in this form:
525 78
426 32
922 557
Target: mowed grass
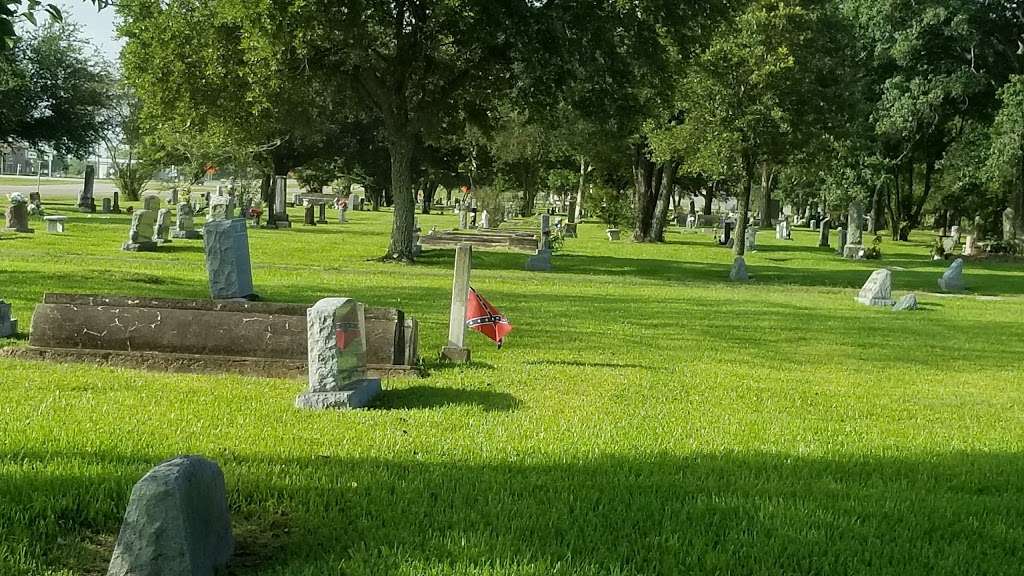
645 417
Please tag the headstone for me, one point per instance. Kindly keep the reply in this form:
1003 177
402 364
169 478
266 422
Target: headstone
843 237
954 232
456 350
814 224
362 204
485 220
55 224
539 262
184 225
780 231
953 279
336 344
163 226
17 214
322 219
218 209
855 224
86 201
116 208
545 232
226 243
280 206
353 202
823 233
142 233
739 270
877 291
1010 232
309 214
177 522
8 325
970 247
726 238
908 302
463 218
35 201
173 201
751 239
107 206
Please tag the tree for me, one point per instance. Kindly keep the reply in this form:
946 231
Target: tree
54 93
1006 161
123 140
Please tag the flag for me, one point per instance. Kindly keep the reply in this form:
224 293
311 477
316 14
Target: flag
486 319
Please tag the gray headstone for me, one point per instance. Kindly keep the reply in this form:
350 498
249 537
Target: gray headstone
177 522
8 325
485 220
877 291
86 201
141 236
219 208
823 234
280 202
739 270
163 226
107 206
184 224
336 345
226 243
17 217
814 224
953 279
751 238
539 262
843 236
908 302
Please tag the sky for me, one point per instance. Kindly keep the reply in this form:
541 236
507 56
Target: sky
97 25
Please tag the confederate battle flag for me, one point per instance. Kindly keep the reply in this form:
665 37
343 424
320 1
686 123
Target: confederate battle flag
486 319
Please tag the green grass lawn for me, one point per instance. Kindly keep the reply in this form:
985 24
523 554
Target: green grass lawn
645 417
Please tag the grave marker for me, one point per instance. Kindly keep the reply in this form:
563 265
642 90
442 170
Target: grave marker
953 278
86 201
336 335
8 325
226 244
141 234
455 350
877 291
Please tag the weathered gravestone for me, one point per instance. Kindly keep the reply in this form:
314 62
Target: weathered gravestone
226 243
353 202
541 261
185 224
116 207
280 205
86 201
163 226
337 357
142 233
218 209
107 206
17 215
877 291
971 245
739 270
823 233
908 302
55 224
814 224
843 236
177 522
751 238
953 278
455 350
309 212
1010 232
35 203
485 220
8 325
322 216
855 224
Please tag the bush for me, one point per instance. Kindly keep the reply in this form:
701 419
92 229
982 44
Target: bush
611 206
874 252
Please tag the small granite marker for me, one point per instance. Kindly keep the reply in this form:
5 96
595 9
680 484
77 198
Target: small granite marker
140 236
953 279
163 226
184 224
177 522
908 302
877 291
8 325
336 344
17 214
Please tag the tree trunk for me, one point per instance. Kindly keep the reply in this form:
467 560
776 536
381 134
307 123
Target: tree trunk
766 196
581 191
660 218
267 195
740 235
709 194
429 189
400 146
647 178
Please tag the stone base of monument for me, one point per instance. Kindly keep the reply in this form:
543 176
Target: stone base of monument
539 262
139 246
187 234
455 355
853 252
356 394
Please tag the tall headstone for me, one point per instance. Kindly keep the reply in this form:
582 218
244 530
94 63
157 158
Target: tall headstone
953 279
86 200
336 344
280 202
971 245
485 220
177 522
173 201
843 237
116 207
141 236
35 203
455 350
751 239
17 214
739 270
107 206
218 209
163 226
309 212
823 233
1010 232
877 291
855 224
322 217
8 325
226 243
353 201
184 225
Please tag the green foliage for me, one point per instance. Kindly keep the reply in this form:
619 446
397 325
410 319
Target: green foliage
611 206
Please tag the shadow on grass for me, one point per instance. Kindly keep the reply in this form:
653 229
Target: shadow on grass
426 397
704 513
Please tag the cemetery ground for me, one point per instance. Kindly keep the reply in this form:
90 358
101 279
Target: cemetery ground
645 417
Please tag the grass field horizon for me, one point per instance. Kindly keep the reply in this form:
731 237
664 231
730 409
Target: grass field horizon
646 416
